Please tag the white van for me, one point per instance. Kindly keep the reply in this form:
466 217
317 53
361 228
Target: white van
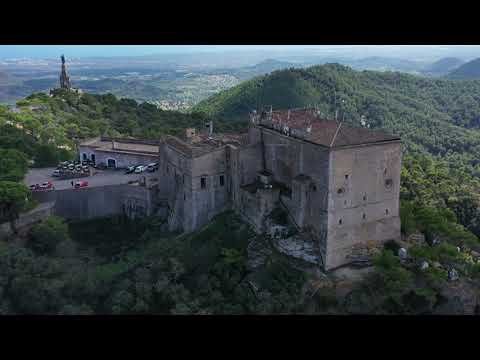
139 169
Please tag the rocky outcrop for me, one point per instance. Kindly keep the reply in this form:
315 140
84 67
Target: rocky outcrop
298 246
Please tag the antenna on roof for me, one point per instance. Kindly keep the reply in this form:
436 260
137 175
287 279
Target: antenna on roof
335 103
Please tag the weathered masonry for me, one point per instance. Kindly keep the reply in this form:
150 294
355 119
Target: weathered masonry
133 200
338 184
195 177
342 182
119 153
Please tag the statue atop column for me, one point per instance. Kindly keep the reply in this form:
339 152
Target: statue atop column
64 79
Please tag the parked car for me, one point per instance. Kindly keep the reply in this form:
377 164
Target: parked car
130 169
139 169
56 173
152 167
47 186
41 187
81 184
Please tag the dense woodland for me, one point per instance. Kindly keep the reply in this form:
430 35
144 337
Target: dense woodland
119 266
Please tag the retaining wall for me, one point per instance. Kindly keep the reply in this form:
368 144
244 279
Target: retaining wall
28 219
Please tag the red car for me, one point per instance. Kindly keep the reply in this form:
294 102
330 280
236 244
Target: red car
41 187
81 184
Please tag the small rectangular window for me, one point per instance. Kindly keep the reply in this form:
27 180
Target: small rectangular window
222 180
203 183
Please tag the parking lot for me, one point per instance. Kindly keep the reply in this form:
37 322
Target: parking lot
100 178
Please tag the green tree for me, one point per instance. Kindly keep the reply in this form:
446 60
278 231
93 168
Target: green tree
13 165
46 155
13 199
47 235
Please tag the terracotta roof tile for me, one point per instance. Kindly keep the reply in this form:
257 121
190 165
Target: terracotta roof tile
306 124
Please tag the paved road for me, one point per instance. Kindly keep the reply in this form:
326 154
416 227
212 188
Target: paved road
100 178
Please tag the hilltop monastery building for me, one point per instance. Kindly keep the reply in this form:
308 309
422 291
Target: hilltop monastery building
338 184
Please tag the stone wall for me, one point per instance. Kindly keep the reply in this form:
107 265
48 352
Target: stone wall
28 219
87 203
249 163
363 198
193 186
212 198
303 168
254 207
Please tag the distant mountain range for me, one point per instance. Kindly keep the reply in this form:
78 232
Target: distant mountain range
386 64
443 66
180 80
467 71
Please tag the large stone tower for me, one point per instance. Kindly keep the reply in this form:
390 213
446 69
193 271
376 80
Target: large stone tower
64 79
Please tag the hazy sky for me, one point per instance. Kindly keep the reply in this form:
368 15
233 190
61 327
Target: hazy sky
405 51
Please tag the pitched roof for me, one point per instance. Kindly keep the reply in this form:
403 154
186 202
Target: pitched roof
121 145
306 124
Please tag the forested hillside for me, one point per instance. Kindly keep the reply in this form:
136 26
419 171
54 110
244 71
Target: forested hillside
119 266
70 116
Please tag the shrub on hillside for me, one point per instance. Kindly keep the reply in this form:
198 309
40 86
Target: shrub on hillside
47 235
